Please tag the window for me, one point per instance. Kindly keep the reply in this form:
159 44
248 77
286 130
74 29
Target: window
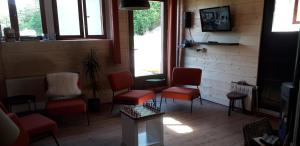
29 16
4 15
24 16
285 17
82 19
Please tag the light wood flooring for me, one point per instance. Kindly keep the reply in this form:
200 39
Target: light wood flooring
210 123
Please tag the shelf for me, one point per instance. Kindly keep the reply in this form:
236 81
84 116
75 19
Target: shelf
215 43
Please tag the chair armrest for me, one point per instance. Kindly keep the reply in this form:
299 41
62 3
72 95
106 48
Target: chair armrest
23 138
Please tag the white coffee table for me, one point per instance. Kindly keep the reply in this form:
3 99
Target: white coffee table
146 129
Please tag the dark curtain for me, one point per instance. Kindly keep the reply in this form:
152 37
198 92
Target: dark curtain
116 50
171 44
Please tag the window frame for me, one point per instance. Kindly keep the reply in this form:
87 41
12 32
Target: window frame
82 22
14 21
295 15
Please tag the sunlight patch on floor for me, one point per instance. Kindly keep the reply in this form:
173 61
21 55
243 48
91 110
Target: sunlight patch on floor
177 126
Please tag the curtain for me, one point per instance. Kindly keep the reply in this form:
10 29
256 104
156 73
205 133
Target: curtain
116 50
171 44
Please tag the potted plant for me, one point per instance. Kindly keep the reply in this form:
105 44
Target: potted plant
91 72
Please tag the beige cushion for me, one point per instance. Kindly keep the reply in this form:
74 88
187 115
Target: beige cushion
63 85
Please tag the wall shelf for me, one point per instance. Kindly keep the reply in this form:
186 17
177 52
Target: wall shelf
216 43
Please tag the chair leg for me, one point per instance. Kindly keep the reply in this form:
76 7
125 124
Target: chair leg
200 97
29 106
88 118
229 108
192 106
154 100
160 102
112 107
34 106
55 139
243 105
232 106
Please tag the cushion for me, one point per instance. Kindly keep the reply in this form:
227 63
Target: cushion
63 85
134 97
36 124
120 80
186 76
180 93
66 106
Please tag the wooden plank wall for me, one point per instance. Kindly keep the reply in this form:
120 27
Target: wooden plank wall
34 58
223 64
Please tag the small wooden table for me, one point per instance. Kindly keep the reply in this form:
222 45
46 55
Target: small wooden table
232 96
142 126
156 85
20 99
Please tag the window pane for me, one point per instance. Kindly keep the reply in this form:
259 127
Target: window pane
283 16
4 15
29 17
68 17
148 55
94 17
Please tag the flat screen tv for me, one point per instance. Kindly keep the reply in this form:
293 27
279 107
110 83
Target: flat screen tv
215 19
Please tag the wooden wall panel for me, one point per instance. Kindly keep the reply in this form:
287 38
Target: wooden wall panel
34 58
223 64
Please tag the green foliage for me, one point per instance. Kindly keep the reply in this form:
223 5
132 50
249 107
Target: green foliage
147 20
4 22
91 70
31 19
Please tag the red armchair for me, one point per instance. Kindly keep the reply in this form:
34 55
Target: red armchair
31 127
122 82
65 95
178 90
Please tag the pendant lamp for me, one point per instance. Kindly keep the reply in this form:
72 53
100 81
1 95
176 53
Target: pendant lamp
134 4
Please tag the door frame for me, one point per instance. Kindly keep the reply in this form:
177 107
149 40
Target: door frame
139 81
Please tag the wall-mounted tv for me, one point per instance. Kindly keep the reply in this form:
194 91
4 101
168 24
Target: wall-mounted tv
215 19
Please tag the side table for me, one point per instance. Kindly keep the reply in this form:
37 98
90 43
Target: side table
155 84
232 96
20 99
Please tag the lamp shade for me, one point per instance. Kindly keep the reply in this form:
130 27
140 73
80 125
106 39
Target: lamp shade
9 131
134 4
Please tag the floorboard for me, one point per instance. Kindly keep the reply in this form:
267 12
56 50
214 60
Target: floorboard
210 124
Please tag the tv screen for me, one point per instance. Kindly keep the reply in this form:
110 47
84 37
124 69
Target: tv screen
215 19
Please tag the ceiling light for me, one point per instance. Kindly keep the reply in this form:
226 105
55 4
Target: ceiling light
134 4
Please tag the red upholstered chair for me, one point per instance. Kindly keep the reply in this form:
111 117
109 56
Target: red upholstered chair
178 90
122 82
65 99
32 127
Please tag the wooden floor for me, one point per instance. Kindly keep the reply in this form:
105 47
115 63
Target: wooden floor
210 124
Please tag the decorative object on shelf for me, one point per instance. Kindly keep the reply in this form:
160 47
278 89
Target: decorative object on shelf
8 130
9 34
45 37
188 43
134 4
52 36
215 43
91 71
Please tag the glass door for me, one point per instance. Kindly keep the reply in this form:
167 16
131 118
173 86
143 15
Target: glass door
148 41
